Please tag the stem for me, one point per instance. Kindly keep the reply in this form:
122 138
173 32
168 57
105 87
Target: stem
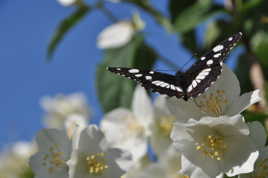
101 6
108 14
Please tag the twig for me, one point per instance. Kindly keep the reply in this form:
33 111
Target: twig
108 14
101 6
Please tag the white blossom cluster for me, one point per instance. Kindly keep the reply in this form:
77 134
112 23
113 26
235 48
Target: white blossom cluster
65 112
205 137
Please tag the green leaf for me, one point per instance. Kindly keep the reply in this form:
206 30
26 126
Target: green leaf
217 31
212 33
116 91
65 26
259 44
176 7
255 116
27 173
196 14
242 73
189 40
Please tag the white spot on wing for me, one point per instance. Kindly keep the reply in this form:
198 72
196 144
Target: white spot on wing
148 77
138 75
217 55
151 72
203 58
218 48
194 83
209 62
172 87
133 70
230 38
157 82
189 89
163 84
178 89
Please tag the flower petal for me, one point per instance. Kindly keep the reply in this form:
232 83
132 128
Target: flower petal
227 79
142 107
258 134
246 167
116 35
243 102
183 110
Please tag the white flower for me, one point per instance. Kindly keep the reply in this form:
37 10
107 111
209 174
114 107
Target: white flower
167 166
128 130
90 159
187 168
222 98
54 148
216 142
14 160
138 168
116 35
162 126
73 123
259 136
23 149
67 2
61 107
120 33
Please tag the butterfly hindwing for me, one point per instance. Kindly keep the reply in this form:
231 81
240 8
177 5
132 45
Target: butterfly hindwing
151 80
206 70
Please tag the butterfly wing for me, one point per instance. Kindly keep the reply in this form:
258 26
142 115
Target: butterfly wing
206 71
151 80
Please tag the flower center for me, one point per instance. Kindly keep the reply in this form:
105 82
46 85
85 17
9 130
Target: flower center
54 159
261 170
135 127
212 146
213 103
165 124
96 164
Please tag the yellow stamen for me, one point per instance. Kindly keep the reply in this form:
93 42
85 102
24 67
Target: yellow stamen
213 103
54 159
96 164
212 146
134 126
165 124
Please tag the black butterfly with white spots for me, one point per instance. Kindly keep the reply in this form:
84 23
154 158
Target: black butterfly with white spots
189 84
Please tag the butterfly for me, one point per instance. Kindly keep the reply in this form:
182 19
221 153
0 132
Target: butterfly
189 84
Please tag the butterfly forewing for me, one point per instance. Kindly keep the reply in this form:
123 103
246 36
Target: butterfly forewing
151 80
199 77
206 70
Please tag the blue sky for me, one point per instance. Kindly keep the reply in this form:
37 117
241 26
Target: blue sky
25 75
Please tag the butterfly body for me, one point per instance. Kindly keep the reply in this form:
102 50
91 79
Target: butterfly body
189 84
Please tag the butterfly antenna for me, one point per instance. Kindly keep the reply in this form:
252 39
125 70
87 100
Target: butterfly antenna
194 55
164 70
